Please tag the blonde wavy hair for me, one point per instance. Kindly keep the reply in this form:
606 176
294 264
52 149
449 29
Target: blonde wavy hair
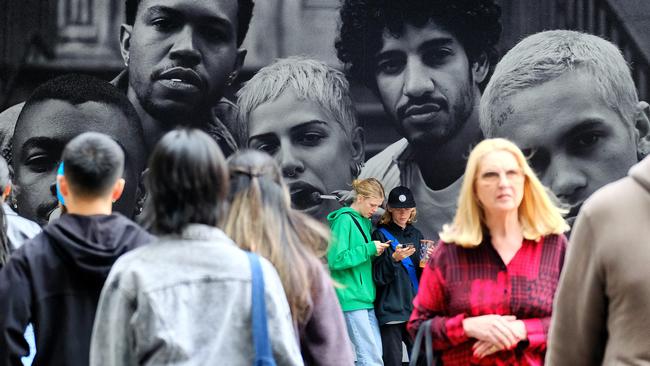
539 212
261 220
369 188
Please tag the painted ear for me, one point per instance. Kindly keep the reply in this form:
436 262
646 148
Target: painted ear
480 68
642 130
358 145
125 42
239 63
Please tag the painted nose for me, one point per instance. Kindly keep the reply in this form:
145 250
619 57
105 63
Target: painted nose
184 49
563 179
291 166
417 82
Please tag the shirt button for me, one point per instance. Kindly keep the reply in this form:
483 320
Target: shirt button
505 291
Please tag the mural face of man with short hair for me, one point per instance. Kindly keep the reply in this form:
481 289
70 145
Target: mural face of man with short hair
53 118
577 116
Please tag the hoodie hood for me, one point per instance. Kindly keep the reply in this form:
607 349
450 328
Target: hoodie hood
92 244
641 173
336 214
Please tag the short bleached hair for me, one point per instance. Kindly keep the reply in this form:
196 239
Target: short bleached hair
545 56
310 80
539 215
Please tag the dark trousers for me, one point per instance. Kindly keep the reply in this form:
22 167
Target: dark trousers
392 336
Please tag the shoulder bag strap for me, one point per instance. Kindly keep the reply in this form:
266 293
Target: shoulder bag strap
407 263
424 331
358 226
259 326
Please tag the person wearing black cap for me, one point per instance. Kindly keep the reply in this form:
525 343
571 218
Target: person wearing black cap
396 272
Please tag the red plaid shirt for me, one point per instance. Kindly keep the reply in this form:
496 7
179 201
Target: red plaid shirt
466 282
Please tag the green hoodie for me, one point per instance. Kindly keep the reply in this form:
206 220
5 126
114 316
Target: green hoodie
350 259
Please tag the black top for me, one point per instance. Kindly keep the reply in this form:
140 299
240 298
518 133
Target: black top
394 301
54 280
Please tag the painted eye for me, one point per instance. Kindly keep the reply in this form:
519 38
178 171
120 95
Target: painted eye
39 163
390 66
437 56
587 139
311 139
163 24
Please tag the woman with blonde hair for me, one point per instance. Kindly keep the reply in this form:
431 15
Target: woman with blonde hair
261 220
350 262
488 288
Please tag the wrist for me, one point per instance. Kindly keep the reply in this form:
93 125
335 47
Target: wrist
466 324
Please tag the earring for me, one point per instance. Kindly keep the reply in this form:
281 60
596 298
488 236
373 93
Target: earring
139 204
231 78
126 61
355 168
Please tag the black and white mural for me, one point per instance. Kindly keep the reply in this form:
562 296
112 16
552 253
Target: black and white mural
385 89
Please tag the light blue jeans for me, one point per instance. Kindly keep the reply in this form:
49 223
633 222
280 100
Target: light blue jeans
363 330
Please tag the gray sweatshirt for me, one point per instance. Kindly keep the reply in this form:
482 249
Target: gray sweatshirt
186 300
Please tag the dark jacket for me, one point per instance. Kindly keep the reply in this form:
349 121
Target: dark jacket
395 293
54 281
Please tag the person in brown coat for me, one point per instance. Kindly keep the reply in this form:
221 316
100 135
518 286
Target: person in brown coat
602 309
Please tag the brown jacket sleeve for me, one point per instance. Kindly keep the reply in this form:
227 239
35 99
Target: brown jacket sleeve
577 335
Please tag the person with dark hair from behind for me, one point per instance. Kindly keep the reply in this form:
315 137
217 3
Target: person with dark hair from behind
57 111
427 61
14 230
186 299
180 56
55 279
261 220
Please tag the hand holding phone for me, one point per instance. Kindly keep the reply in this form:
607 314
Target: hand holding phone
381 246
403 251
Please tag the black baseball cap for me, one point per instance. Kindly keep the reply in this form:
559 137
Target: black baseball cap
401 197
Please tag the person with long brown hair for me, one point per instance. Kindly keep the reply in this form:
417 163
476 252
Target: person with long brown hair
261 220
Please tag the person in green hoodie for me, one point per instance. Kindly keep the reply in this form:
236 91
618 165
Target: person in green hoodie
350 262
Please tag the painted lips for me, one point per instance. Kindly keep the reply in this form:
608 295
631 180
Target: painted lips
421 112
181 78
304 195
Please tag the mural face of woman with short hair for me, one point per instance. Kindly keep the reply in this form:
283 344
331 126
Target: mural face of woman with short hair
299 111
